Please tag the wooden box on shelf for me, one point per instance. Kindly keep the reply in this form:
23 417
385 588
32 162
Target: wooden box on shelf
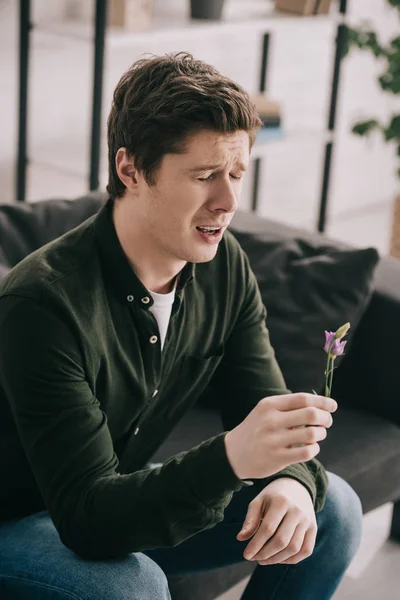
130 14
304 7
395 241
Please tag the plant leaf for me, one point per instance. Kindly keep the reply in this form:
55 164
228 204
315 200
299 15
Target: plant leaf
365 127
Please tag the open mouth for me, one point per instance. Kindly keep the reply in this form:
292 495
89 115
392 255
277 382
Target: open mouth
209 230
211 235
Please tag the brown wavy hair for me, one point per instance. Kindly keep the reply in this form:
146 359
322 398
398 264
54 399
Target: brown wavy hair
160 101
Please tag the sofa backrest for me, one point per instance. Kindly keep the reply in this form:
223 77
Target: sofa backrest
25 227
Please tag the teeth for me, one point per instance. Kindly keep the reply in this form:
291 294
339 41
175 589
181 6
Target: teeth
209 229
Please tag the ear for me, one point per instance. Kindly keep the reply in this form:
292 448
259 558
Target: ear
125 167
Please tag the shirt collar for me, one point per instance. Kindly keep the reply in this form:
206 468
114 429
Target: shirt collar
116 264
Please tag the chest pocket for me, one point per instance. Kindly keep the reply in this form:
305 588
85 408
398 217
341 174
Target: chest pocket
199 366
195 374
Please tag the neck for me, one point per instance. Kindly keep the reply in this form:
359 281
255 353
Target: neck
166 289
156 272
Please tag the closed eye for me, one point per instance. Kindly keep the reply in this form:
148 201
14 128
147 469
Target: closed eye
212 176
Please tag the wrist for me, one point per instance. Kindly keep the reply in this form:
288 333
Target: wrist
229 446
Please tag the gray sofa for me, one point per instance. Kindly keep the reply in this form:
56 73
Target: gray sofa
363 447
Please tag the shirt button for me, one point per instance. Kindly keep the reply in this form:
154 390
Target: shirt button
154 394
153 339
130 298
136 431
146 300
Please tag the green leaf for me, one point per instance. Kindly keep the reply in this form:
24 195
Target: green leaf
365 127
395 126
395 43
389 135
373 44
395 86
363 38
386 81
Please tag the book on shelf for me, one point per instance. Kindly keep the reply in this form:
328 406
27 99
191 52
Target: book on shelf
269 111
304 7
131 14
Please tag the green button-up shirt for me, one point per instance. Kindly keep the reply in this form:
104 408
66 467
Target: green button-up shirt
80 363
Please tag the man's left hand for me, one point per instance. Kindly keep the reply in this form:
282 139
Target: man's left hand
282 521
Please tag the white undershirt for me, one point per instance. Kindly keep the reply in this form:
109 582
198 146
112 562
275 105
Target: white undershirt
161 309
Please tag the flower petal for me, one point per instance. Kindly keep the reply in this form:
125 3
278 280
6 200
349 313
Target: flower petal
329 337
338 348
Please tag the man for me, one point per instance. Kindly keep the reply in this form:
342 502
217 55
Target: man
112 332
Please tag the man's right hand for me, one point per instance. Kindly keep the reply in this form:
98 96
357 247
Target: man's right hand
268 439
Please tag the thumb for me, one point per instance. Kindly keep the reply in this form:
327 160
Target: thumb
250 524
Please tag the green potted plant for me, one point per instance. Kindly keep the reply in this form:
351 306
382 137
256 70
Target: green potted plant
364 38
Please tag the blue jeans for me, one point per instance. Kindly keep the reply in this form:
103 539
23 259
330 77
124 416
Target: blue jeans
34 563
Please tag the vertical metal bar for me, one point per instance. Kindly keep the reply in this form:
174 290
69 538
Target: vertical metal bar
264 63
256 182
325 186
24 31
340 43
99 42
263 86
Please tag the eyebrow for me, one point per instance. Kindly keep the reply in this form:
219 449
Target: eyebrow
208 167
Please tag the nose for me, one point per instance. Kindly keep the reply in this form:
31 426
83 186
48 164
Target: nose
224 197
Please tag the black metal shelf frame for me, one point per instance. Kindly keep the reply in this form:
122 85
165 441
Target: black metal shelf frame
26 26
341 37
100 22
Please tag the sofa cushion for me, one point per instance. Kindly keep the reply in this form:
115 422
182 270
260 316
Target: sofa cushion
3 271
308 286
26 226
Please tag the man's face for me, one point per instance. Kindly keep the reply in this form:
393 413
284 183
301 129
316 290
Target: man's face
198 189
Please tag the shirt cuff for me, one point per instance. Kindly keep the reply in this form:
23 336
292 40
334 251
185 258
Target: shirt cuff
209 472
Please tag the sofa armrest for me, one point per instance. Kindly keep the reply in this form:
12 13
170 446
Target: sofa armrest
368 376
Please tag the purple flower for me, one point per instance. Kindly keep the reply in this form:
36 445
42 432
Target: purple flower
333 346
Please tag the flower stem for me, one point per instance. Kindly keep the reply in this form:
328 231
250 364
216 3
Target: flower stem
331 378
327 373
